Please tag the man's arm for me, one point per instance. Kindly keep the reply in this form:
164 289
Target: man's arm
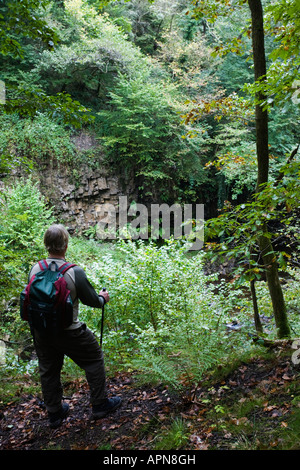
85 291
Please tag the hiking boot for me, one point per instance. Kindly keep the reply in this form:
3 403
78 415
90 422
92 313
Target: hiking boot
111 404
56 419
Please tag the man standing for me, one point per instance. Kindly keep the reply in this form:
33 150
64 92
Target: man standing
76 341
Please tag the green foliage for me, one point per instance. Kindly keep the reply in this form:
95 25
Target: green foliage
163 318
24 218
174 437
96 67
33 140
239 227
28 102
283 21
137 102
25 19
92 56
26 215
64 63
232 42
144 133
188 63
140 121
12 379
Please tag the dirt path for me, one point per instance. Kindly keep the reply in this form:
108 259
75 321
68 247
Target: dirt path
268 391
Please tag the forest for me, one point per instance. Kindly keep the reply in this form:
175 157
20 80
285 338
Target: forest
188 103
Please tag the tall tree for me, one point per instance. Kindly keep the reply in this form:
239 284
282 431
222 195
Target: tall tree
211 10
260 71
262 150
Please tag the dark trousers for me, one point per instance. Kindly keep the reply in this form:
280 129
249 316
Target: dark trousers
82 347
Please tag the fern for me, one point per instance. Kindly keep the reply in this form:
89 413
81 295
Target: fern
157 369
182 364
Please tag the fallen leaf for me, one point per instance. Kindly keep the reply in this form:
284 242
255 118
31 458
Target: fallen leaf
275 414
239 421
286 377
270 408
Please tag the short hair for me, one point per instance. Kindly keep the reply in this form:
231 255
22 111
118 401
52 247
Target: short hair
56 239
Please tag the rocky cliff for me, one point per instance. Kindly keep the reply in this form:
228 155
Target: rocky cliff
79 190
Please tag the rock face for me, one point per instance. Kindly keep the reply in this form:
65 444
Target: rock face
81 201
80 192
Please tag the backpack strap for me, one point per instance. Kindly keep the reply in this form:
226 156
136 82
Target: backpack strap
64 268
43 264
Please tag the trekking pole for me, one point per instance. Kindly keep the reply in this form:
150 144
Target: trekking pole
102 321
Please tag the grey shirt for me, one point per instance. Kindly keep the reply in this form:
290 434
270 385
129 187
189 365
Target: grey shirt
79 286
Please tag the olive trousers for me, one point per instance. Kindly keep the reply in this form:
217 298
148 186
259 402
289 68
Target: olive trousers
82 347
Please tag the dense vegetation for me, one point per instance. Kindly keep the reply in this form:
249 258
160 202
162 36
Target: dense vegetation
167 90
129 73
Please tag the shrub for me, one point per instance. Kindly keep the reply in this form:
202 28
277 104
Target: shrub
25 216
163 318
27 140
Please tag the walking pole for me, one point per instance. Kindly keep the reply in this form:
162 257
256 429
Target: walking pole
102 321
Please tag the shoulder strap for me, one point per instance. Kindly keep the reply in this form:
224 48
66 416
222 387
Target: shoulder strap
43 264
64 268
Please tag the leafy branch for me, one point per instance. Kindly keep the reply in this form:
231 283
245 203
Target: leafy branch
28 101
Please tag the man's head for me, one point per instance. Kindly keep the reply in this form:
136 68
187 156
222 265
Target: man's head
56 240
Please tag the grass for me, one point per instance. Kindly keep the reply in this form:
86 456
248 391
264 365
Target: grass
256 406
174 436
14 386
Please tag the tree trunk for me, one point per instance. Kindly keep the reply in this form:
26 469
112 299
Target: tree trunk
278 303
261 116
262 150
258 325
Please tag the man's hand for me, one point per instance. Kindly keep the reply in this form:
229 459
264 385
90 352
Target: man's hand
105 295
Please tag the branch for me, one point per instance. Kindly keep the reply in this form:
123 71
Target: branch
281 174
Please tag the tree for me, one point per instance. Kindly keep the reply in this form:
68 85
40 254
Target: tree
212 9
142 133
262 150
22 23
23 19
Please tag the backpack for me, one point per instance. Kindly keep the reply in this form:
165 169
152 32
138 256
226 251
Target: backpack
46 301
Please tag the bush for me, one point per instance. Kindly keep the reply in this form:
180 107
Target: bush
142 131
163 318
27 140
24 217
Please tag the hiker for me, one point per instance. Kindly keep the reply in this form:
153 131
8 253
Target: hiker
76 341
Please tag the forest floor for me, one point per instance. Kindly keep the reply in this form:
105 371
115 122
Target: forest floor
254 407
